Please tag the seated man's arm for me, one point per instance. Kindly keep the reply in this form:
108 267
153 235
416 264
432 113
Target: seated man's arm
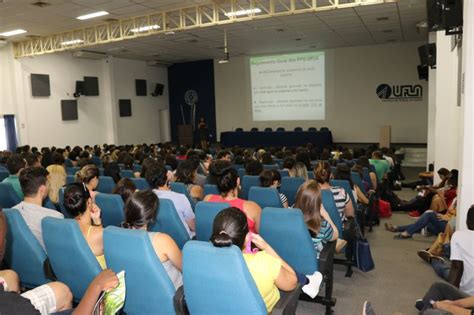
455 275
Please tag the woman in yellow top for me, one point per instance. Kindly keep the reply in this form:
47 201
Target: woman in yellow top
78 201
268 270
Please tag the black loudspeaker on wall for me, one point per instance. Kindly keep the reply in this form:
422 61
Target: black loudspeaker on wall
423 72
427 55
79 89
158 89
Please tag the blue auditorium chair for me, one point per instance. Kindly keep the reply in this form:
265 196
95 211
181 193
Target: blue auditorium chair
149 289
239 129
271 166
330 206
140 183
101 171
284 173
366 173
312 129
298 129
68 163
137 168
127 174
112 209
248 181
238 166
268 129
106 184
70 179
63 210
310 175
254 129
181 189
289 187
8 196
357 180
280 129
210 189
72 170
4 174
205 214
97 161
169 222
23 252
324 129
241 172
347 188
69 254
47 203
265 197
226 287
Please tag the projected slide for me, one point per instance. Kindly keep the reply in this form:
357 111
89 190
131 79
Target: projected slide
288 87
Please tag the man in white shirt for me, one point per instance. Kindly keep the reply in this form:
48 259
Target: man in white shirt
158 180
34 184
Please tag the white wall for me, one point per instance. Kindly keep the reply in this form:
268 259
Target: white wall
39 118
354 113
144 126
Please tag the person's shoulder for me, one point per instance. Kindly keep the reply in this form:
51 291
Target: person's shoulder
52 213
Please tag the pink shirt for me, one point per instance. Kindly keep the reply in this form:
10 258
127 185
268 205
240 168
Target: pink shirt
236 203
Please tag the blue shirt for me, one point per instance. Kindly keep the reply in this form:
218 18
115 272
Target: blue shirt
325 235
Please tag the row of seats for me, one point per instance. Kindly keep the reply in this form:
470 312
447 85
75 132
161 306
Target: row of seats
281 129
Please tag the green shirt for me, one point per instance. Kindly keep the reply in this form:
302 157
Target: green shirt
381 168
15 182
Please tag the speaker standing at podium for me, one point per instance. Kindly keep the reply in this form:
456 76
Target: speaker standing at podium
203 133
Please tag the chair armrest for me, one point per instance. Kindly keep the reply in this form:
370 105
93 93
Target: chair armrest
288 302
180 302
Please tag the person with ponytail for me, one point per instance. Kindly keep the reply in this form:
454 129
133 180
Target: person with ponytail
268 270
141 209
89 175
78 202
228 184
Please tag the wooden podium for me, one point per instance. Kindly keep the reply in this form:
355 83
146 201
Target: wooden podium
385 136
185 134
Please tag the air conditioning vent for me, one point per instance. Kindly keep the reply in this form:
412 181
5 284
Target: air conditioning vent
88 54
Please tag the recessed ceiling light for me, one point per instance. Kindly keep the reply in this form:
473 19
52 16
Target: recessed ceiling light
72 42
169 33
383 18
92 15
145 28
243 12
387 31
41 4
13 33
280 30
297 39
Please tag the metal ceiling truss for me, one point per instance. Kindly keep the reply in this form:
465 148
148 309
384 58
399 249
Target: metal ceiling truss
198 16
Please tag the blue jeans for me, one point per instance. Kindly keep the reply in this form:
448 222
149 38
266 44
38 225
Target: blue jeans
441 269
429 220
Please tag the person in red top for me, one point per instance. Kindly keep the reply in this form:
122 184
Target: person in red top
228 183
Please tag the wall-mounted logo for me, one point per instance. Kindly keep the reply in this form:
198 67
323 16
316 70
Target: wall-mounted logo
399 93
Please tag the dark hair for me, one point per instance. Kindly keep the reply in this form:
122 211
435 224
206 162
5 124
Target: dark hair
15 163
267 177
267 159
453 178
32 159
443 171
141 209
253 168
125 188
76 196
113 170
377 154
185 172
230 227
289 162
57 158
226 177
322 172
304 157
31 179
364 162
344 172
470 218
156 175
222 154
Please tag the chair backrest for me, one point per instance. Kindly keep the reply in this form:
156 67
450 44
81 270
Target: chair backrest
8 196
239 129
312 129
333 170
249 181
127 174
140 183
271 166
347 188
280 129
254 129
366 173
210 189
68 163
169 222
106 184
268 129
97 161
324 129
181 189
23 252
311 175
72 170
298 129
112 208
71 257
284 173
4 174
205 214
228 290
101 171
149 289
290 186
70 179
330 206
63 209
241 172
47 203
265 197
137 168
357 180
286 231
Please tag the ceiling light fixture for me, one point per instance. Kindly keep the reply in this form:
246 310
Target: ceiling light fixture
145 28
13 33
72 42
226 52
92 15
243 12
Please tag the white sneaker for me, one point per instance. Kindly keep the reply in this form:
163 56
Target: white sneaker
312 288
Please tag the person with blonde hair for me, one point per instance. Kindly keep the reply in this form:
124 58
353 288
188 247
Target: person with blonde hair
299 170
89 175
57 179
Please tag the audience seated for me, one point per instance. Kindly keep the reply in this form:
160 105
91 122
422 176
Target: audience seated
272 178
364 162
299 170
79 203
15 164
224 155
56 180
253 168
381 165
89 175
125 188
228 183
269 271
140 210
186 174
156 175
34 184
